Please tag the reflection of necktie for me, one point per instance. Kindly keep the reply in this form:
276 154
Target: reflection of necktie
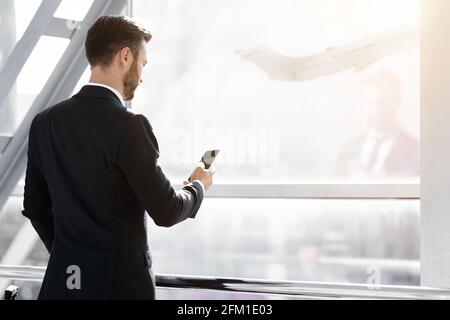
373 155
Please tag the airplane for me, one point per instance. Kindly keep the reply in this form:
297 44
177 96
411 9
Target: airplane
354 56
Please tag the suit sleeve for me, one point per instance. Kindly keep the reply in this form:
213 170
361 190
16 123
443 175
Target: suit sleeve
137 158
37 202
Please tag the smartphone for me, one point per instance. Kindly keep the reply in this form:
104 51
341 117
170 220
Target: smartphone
208 158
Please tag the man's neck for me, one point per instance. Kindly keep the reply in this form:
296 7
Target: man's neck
107 79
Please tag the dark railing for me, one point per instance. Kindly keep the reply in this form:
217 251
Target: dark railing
293 289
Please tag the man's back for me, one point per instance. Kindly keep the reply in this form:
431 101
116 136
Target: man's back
92 172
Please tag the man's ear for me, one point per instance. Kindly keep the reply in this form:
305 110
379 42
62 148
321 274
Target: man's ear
125 57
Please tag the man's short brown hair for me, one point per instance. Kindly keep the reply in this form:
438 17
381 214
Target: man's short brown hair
110 34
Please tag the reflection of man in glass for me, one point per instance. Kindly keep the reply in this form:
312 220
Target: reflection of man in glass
385 149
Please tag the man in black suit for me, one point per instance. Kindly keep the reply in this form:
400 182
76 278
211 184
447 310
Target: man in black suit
93 172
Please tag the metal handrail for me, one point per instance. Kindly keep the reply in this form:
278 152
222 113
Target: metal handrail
294 289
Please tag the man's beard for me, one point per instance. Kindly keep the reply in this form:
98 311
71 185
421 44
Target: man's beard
131 82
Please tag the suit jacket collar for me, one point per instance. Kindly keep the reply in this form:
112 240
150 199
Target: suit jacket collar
99 93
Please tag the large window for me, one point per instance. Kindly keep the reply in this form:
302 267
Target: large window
306 99
314 105
290 91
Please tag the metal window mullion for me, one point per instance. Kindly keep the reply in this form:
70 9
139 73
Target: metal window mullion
303 191
62 28
315 191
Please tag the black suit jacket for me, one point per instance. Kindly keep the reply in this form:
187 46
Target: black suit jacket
92 173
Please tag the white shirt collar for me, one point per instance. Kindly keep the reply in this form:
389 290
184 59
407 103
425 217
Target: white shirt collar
110 88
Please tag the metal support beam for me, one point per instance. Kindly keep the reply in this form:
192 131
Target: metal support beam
4 141
435 143
62 28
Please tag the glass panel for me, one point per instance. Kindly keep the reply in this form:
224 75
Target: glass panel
11 222
73 10
31 80
343 241
24 12
40 65
339 110
15 16
83 80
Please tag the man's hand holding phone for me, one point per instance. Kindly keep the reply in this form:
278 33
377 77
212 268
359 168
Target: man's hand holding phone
204 170
202 174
